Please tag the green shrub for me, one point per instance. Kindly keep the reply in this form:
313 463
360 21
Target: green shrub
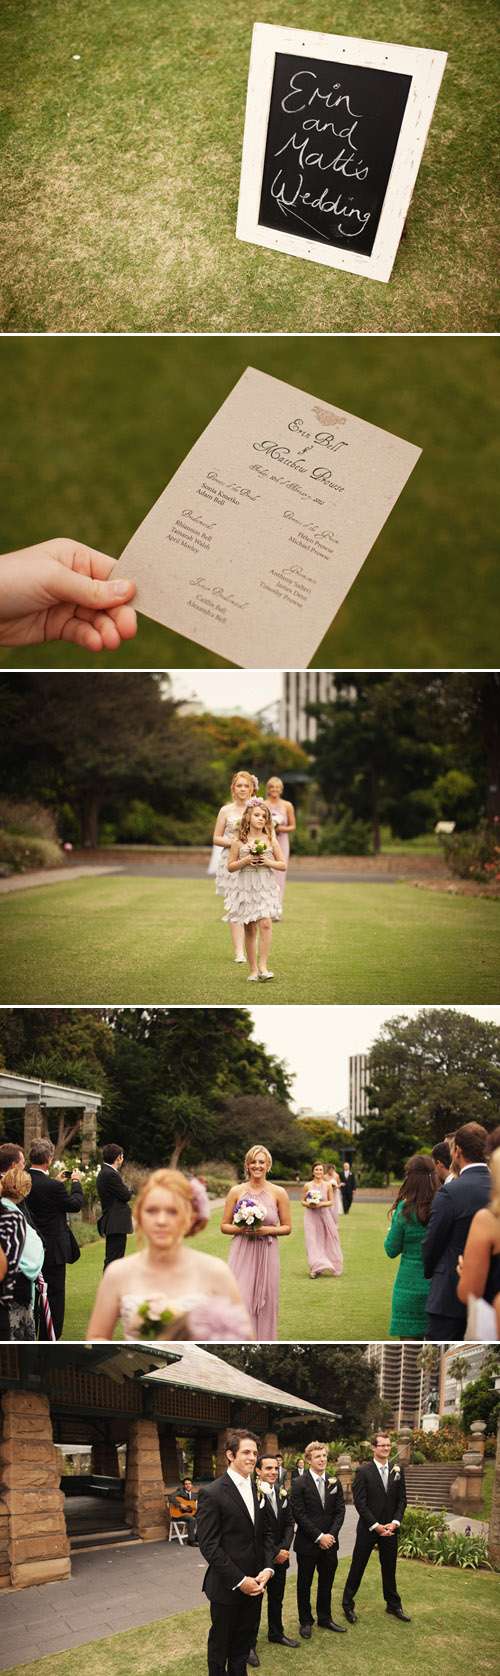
418 1458
427 1536
302 841
19 852
373 1178
475 855
346 836
447 1444
85 1233
30 818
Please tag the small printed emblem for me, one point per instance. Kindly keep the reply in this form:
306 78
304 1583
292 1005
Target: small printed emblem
324 417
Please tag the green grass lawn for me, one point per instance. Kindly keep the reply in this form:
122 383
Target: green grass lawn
122 173
352 1307
133 941
93 429
454 1627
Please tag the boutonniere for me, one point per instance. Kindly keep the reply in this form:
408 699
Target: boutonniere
395 1471
282 1496
333 1483
263 1489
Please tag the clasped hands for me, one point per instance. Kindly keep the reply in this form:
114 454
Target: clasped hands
386 1530
256 1585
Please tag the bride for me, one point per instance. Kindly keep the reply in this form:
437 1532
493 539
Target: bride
167 1279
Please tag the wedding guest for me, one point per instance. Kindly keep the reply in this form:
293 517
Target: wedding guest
116 1219
409 1219
281 1471
279 1527
332 1175
347 1187
319 1511
15 1186
232 1540
454 1206
152 1288
50 1205
379 1495
227 825
254 1255
62 590
283 818
441 1155
252 897
324 1252
479 1268
12 1238
299 1469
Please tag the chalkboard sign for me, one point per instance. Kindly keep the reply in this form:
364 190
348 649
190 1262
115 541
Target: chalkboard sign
334 133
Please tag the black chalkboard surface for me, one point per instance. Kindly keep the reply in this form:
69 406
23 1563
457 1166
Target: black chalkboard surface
331 137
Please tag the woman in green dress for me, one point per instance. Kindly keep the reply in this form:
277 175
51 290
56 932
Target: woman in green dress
409 1217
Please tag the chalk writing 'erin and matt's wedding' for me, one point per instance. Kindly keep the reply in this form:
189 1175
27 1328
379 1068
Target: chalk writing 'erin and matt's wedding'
301 97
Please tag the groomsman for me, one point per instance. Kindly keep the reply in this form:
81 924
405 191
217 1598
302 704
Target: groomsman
231 1539
278 1537
319 1511
379 1495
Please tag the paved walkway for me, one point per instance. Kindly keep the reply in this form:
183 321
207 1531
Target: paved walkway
155 870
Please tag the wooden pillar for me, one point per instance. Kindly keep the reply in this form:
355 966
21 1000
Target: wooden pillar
104 1459
168 1458
144 1488
4 1533
32 1124
88 1137
38 1546
203 1462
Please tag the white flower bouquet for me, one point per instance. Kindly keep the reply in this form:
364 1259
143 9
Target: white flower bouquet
314 1196
248 1215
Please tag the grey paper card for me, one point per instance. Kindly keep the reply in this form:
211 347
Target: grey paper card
252 547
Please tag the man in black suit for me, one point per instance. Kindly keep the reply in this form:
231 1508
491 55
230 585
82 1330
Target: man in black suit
278 1537
347 1187
319 1511
281 1471
379 1495
184 1499
299 1469
452 1211
231 1539
49 1203
116 1219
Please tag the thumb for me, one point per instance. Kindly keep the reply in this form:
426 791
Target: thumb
89 591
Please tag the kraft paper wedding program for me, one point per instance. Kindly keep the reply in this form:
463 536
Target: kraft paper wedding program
253 545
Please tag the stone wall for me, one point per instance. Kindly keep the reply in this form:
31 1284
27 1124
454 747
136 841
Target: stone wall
38 1548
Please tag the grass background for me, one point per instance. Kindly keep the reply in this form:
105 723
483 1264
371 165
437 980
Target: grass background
122 143
91 430
129 941
350 1307
454 1628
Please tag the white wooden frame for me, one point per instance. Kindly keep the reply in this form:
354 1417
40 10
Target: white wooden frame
426 69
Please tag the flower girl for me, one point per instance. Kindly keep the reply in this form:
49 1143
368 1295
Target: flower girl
252 897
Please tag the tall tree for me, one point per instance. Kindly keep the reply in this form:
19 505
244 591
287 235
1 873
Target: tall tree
428 1075
337 1377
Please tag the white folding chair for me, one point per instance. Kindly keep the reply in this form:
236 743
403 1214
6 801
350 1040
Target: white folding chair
177 1531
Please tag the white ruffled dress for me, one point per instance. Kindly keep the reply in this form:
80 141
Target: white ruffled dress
252 893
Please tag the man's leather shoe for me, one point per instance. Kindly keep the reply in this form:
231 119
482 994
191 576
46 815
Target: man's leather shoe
283 1641
397 1612
305 1632
253 1659
339 1628
352 1617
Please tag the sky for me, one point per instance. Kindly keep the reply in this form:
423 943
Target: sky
221 689
317 1041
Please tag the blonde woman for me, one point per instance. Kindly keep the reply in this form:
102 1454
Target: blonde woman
283 818
254 1255
167 1278
252 898
243 786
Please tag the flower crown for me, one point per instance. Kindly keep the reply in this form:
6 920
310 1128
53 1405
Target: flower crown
252 801
201 1200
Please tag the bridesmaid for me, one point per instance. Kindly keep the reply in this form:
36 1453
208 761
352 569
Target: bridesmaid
254 1258
324 1253
243 786
333 1177
286 824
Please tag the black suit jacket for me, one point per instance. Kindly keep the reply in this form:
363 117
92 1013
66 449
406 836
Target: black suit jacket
347 1187
374 1505
453 1208
311 1518
49 1203
114 1196
230 1542
278 1531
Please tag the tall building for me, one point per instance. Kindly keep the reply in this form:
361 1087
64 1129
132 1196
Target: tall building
401 1381
301 687
359 1076
450 1388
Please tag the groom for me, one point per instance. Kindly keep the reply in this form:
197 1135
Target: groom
379 1495
231 1539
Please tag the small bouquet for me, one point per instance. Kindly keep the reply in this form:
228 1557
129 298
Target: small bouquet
314 1196
258 848
151 1318
248 1215
276 818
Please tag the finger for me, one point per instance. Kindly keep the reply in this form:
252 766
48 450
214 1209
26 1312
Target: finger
125 619
76 556
80 634
103 622
79 589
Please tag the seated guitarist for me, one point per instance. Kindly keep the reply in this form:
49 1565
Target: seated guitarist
183 1506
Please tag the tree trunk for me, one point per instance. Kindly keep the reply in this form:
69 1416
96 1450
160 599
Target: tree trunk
65 1134
180 1142
494 1525
91 808
375 818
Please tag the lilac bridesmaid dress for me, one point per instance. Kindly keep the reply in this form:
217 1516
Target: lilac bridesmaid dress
255 1264
324 1251
284 844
